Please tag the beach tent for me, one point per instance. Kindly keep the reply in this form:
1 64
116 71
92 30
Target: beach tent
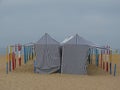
47 55
75 55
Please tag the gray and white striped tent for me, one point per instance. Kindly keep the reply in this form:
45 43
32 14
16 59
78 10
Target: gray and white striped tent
75 55
47 55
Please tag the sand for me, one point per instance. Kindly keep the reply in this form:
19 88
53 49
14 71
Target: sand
23 78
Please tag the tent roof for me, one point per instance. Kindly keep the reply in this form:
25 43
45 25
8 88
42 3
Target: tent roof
77 40
47 39
67 39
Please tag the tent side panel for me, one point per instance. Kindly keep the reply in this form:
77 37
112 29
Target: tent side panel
74 59
47 58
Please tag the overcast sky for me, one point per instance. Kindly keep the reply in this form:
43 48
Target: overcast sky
23 21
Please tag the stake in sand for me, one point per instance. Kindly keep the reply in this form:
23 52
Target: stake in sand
7 60
19 54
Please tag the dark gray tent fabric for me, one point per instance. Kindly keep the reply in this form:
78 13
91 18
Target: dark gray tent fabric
47 55
75 55
74 59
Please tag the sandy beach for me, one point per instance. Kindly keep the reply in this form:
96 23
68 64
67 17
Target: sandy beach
23 78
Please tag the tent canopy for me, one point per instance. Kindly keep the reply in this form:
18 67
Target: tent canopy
47 39
77 40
